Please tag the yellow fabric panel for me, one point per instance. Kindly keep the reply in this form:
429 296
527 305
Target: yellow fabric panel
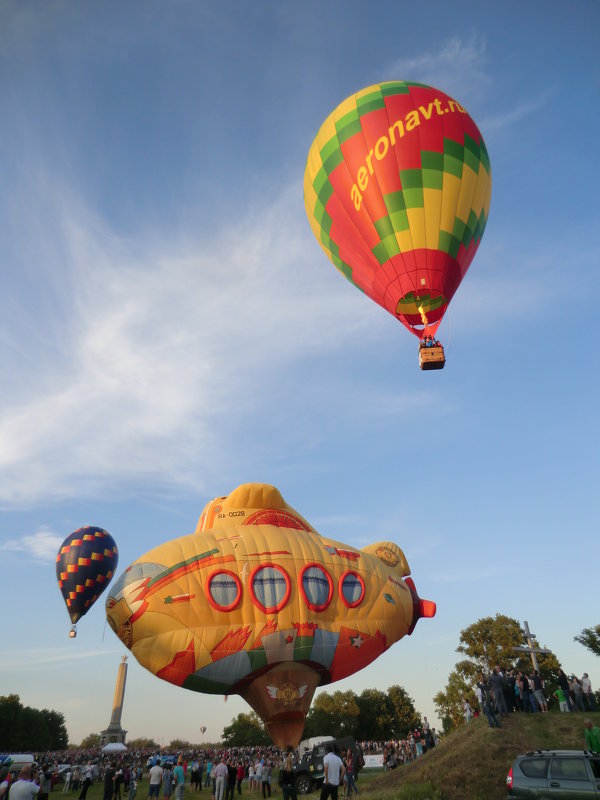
416 223
467 193
483 193
404 240
432 201
450 195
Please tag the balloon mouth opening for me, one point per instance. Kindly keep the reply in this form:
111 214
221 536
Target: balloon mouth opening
421 608
421 309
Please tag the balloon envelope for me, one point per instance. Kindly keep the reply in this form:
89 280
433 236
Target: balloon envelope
258 603
85 564
397 190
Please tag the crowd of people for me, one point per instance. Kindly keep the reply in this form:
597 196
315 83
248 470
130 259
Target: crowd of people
505 692
225 773
233 771
399 752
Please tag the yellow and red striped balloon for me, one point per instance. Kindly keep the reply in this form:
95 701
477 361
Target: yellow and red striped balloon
397 189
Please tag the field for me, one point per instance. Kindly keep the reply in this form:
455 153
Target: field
469 764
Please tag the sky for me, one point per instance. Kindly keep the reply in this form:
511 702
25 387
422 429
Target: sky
170 328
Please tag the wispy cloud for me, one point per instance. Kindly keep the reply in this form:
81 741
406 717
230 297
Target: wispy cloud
459 67
153 345
36 660
508 118
41 545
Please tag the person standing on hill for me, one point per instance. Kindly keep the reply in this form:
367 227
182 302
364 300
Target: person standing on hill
524 692
563 682
576 693
538 691
592 736
497 685
486 702
586 685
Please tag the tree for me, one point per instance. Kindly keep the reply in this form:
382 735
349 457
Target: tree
449 703
403 709
376 719
245 730
487 643
10 711
590 638
24 728
335 715
178 745
93 740
490 642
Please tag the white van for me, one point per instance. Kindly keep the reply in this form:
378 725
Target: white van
18 761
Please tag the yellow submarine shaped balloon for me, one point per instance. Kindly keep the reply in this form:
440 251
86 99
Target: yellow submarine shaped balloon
256 602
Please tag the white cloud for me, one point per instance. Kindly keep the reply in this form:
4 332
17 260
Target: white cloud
42 545
154 348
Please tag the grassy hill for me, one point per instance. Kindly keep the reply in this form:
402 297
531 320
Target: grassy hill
472 762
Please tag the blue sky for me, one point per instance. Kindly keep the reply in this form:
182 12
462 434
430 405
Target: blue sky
169 327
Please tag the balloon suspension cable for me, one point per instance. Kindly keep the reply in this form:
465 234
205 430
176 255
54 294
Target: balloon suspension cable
73 632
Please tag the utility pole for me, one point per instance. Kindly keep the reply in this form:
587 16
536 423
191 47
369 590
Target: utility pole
531 647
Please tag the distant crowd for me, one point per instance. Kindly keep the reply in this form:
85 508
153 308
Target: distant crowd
505 692
398 752
250 769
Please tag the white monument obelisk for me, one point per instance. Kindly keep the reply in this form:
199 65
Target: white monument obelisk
114 732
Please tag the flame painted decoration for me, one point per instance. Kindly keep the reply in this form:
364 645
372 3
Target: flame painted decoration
397 190
257 603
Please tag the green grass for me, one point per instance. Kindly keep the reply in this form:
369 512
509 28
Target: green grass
472 762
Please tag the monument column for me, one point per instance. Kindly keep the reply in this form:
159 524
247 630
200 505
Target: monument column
114 732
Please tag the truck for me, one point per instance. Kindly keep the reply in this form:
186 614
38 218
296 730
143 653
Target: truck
309 769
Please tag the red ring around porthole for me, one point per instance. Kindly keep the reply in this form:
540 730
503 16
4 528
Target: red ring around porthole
309 603
288 588
210 598
341 592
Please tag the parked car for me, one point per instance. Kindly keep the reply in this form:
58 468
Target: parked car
545 774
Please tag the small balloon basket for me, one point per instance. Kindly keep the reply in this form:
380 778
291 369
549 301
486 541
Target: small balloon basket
432 357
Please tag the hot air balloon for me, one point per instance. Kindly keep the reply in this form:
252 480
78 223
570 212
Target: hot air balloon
257 603
85 564
203 730
397 189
